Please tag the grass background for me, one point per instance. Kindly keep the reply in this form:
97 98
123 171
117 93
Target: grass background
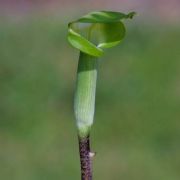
136 131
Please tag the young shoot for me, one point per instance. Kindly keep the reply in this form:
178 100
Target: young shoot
91 35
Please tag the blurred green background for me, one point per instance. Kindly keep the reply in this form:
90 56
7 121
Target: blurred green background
137 129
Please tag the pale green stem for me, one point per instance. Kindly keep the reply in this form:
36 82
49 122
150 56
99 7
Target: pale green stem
84 102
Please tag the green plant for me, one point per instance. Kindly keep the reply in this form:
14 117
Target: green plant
91 34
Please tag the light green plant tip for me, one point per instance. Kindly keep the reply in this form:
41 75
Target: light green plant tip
97 31
92 34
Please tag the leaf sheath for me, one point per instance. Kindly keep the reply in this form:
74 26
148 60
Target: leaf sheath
84 100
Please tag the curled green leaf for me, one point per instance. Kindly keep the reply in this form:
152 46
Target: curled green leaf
96 31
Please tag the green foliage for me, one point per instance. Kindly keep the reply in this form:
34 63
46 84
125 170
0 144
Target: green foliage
97 30
91 34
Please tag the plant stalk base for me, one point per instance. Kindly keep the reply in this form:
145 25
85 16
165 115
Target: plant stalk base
85 158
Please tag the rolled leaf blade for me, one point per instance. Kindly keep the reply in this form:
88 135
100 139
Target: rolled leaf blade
96 31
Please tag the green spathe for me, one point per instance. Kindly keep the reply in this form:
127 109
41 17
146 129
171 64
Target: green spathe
96 31
92 34
84 99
